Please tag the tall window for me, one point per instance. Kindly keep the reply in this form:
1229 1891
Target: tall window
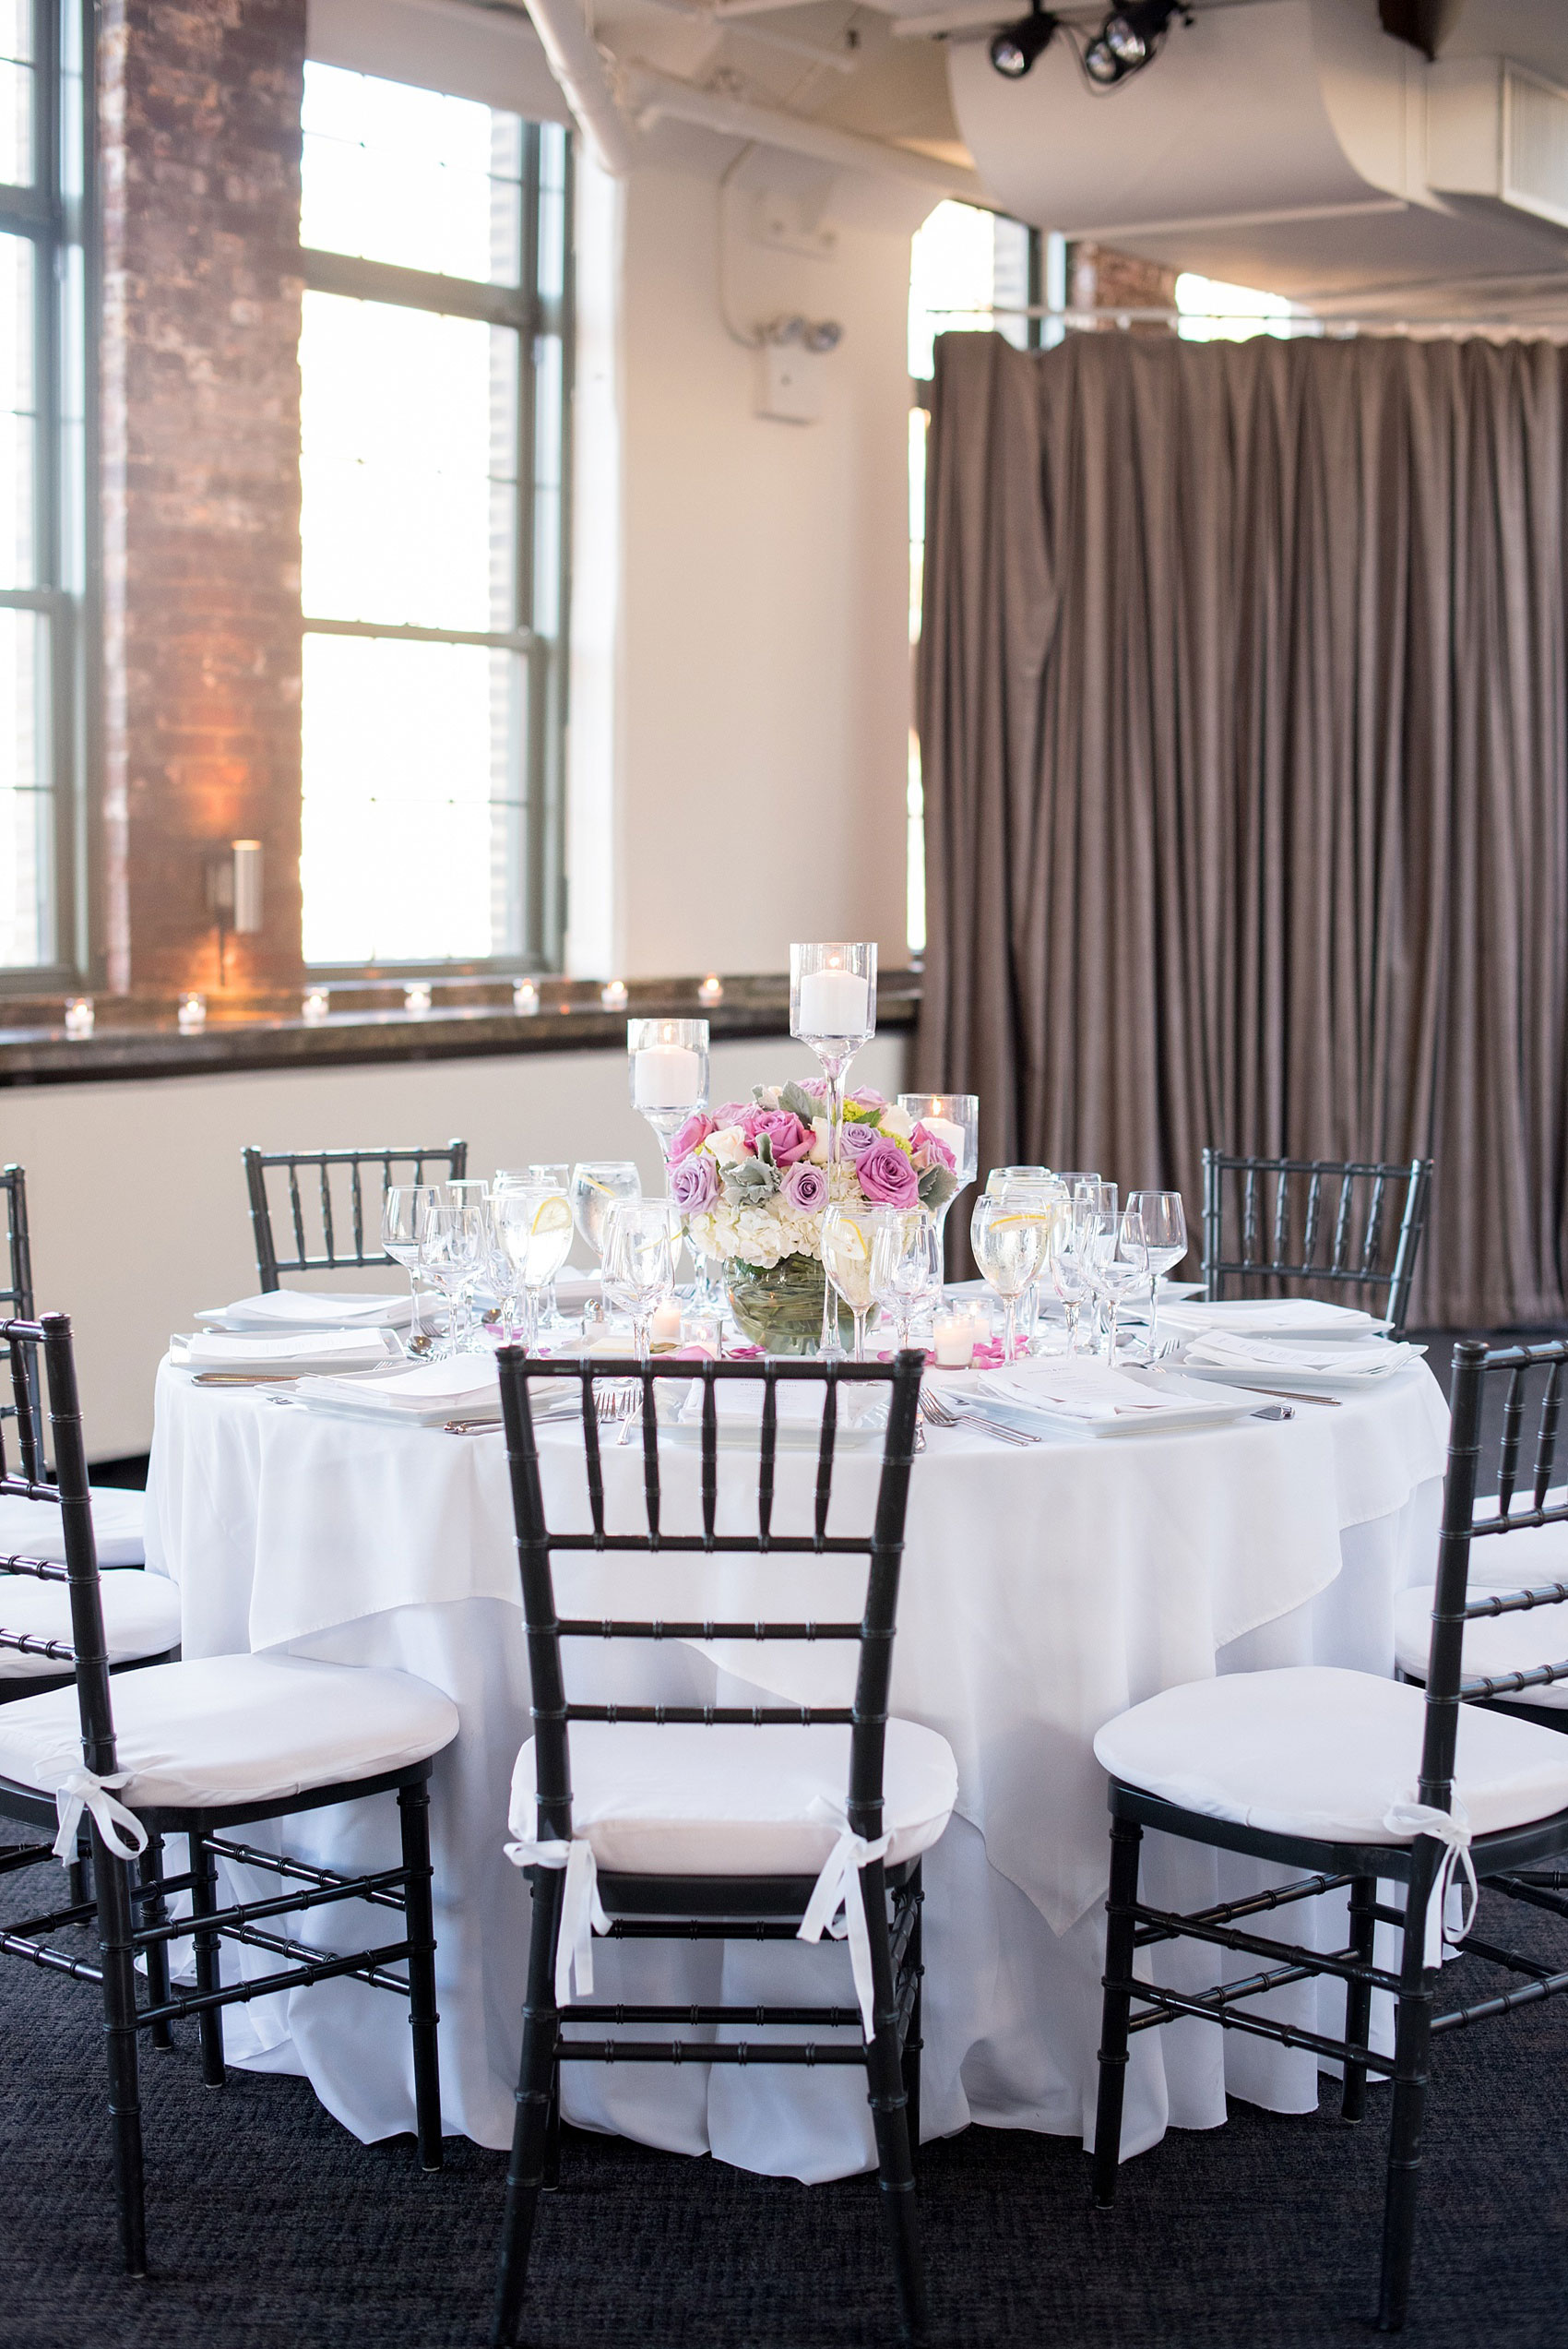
41 473
432 428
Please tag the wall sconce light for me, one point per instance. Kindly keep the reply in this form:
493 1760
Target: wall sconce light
234 894
711 989
314 1005
78 1017
192 1014
525 998
416 1000
613 997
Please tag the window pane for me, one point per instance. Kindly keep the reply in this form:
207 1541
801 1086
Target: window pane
398 175
412 821
18 422
27 808
408 466
16 98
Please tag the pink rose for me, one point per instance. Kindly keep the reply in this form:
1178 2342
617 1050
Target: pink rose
730 1112
693 1185
869 1099
790 1138
931 1150
805 1188
697 1129
886 1177
815 1086
753 1122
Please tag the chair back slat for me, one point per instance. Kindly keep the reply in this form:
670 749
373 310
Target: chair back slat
334 1181
1447 1686
16 1281
1363 1253
882 1548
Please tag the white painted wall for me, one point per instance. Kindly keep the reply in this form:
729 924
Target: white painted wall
138 1203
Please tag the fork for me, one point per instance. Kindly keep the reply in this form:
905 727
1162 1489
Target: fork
942 1414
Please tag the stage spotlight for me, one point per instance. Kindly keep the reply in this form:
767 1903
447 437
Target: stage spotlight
1015 47
1130 36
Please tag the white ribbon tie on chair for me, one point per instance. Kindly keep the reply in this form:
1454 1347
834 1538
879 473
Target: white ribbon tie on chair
837 1887
582 1911
82 1789
1452 1829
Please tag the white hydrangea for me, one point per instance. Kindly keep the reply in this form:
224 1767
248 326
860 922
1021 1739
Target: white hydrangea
766 1236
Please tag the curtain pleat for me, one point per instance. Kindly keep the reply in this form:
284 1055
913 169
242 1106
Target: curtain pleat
1244 732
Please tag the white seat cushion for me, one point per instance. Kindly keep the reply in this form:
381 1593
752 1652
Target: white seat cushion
229 1730
32 1528
1317 1751
683 1800
1494 1645
142 1617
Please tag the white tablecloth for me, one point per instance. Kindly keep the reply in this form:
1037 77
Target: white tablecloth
1043 1592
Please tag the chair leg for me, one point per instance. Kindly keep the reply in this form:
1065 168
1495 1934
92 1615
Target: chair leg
155 1911
1358 1996
413 1809
890 2112
1126 1844
553 2132
112 1878
911 2056
1412 2042
525 2175
204 1901
78 1874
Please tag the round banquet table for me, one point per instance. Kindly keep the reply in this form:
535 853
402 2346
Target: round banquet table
1044 1590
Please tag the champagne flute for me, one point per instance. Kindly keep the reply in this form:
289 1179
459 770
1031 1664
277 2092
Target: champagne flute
533 1224
639 1260
403 1207
1009 1242
848 1232
906 1264
1165 1232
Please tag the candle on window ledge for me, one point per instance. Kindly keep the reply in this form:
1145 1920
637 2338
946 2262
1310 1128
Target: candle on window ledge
525 998
417 1001
711 989
613 997
78 1017
314 1005
192 1014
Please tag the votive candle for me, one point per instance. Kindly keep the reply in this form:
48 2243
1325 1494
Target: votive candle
78 1017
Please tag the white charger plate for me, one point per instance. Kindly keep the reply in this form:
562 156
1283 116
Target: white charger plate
1198 1408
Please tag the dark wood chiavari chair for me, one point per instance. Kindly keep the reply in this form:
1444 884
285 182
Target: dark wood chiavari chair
1330 1224
1357 1779
568 1786
330 1228
198 1750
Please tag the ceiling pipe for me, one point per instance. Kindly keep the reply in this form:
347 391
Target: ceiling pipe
659 97
575 60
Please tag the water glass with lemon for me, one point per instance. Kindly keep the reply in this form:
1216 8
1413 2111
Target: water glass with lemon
534 1229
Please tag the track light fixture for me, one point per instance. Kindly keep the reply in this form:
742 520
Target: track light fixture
1015 47
1130 36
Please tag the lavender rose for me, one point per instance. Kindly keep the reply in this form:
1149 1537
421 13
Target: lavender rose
930 1150
693 1185
805 1188
868 1098
697 1129
855 1140
790 1138
886 1177
729 1113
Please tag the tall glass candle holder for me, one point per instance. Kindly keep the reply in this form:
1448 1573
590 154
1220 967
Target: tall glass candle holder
833 1010
667 1067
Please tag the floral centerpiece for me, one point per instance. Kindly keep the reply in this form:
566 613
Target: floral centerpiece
753 1180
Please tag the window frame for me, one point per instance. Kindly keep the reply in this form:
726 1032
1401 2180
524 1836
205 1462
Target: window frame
542 883
55 219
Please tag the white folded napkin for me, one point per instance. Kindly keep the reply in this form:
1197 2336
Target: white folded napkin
1086 1391
1269 1318
241 1349
465 1387
1362 1359
310 1310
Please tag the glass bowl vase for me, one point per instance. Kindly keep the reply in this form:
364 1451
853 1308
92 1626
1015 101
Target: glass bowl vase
780 1310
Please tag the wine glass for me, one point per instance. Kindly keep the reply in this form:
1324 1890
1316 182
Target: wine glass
999 1177
959 1113
667 1061
533 1226
638 1245
1117 1258
848 1232
1165 1232
833 1010
1045 1197
1069 1274
456 1248
403 1209
906 1264
596 1185
555 1175
1009 1242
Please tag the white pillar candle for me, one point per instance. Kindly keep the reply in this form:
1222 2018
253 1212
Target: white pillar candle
833 1003
665 1326
666 1077
954 1337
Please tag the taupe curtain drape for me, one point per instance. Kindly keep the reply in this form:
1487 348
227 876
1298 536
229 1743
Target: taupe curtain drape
1244 709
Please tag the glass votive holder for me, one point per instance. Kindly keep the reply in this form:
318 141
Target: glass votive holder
613 997
711 989
192 1014
525 998
78 1017
314 1005
416 1000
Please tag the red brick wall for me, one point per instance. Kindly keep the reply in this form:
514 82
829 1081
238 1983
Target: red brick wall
1099 277
200 178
